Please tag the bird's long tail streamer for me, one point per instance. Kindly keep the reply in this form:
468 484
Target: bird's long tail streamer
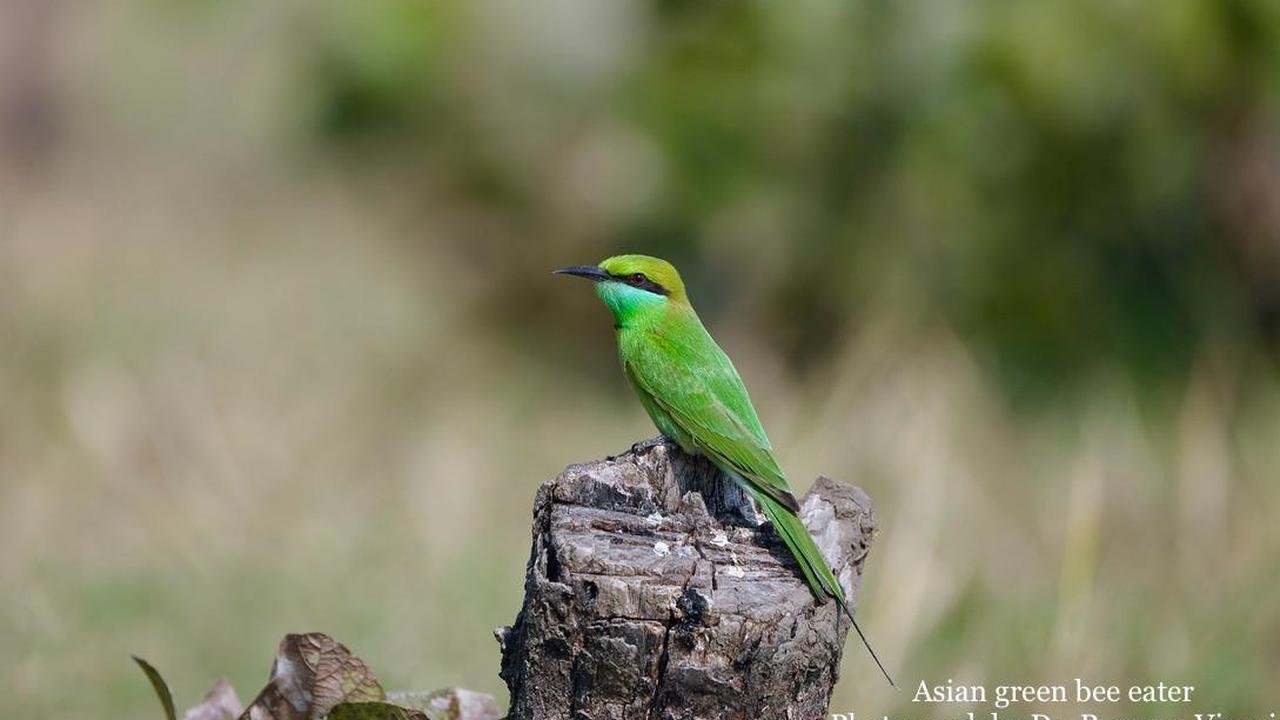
816 571
865 643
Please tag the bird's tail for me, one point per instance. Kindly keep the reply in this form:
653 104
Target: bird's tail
816 571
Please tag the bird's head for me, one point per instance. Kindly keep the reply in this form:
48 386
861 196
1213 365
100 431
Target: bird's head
632 284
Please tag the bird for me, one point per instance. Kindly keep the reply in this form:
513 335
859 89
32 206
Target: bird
695 397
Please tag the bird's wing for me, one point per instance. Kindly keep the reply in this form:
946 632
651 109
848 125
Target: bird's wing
693 381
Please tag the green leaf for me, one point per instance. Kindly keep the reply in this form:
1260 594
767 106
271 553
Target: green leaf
161 688
373 711
449 704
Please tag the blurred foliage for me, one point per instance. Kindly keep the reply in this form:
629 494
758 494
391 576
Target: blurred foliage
1040 176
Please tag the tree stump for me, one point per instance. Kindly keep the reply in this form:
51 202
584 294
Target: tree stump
656 591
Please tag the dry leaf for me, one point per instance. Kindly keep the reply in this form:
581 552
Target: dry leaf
312 673
220 703
450 704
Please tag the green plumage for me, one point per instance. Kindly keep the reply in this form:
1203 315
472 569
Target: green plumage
694 395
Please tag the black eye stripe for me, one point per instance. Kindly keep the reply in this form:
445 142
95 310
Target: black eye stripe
641 281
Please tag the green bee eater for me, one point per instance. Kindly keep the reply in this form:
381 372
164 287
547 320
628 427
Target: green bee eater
695 397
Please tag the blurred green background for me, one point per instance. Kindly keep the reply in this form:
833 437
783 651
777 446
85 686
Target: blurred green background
280 349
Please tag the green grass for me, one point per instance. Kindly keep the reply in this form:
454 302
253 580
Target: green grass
182 501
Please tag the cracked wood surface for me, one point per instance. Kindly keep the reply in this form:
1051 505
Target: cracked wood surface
654 592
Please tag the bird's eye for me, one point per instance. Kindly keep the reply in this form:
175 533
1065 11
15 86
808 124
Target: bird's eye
638 278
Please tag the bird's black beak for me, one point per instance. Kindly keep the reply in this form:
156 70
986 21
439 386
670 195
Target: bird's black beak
590 272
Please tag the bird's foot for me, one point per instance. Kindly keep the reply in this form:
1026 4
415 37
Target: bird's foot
750 513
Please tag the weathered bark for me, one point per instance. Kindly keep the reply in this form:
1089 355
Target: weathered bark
654 592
